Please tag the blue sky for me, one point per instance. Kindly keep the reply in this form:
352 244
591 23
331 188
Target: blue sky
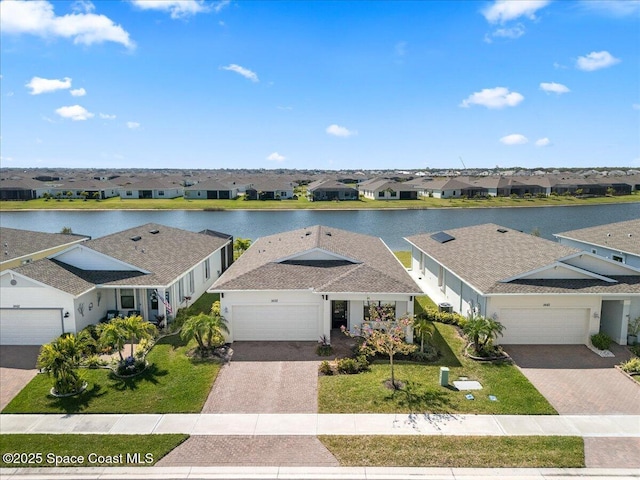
314 84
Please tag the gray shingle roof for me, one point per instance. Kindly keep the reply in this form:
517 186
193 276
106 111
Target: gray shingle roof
624 285
482 256
18 243
367 264
622 236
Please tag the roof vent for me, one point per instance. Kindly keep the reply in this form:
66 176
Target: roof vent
328 234
503 230
136 238
442 237
608 234
154 231
307 234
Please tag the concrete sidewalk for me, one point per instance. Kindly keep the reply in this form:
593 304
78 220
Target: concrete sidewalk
318 473
326 424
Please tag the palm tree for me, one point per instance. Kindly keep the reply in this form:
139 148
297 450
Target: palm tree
137 329
205 329
482 331
423 329
60 359
114 335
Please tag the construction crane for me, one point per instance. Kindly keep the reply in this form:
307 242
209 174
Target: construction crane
462 161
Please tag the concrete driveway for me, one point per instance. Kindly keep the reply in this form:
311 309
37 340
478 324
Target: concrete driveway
576 380
267 377
17 368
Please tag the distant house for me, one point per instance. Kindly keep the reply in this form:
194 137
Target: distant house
617 241
385 189
325 190
20 247
90 189
151 270
301 284
212 190
18 189
541 291
150 188
269 190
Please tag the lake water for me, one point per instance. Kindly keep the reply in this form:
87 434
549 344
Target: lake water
390 225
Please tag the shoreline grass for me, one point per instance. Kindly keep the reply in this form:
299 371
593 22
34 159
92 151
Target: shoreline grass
181 203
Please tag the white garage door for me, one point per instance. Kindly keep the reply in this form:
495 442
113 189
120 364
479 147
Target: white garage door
544 326
29 327
275 322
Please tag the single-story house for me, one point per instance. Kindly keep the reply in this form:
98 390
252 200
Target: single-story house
212 190
151 188
541 291
151 270
18 189
385 189
616 241
302 284
269 190
327 190
20 247
91 189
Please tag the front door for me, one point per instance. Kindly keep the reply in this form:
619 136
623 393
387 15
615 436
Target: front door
339 309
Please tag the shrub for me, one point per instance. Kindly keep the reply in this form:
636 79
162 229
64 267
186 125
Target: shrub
352 366
601 341
632 366
323 350
325 368
94 361
635 349
430 354
433 315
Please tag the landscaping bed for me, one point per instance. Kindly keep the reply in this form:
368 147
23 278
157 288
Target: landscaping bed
366 392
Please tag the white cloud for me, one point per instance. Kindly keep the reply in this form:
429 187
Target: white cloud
74 112
596 61
636 106
176 8
83 6
616 8
502 11
338 131
106 116
543 142
78 92
512 32
218 6
552 87
514 139
133 125
498 97
38 18
276 157
40 85
245 72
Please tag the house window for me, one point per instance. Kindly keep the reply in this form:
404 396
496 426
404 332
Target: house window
441 282
129 193
127 300
393 194
198 193
381 194
617 258
181 289
161 193
207 269
386 308
192 284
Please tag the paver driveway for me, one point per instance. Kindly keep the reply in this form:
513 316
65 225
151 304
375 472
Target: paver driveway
267 377
576 380
17 368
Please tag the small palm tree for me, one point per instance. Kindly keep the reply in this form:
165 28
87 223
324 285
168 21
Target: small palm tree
205 329
60 359
114 335
423 329
482 331
137 329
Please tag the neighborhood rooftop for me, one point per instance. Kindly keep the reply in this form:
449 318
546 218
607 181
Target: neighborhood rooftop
623 236
18 243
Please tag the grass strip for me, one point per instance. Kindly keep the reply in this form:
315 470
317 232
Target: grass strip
69 450
456 452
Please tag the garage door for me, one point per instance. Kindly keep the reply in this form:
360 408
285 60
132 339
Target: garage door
275 322
544 326
29 327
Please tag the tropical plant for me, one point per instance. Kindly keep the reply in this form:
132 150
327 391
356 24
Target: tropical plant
388 338
113 335
423 329
207 330
601 341
482 331
60 359
136 329
240 245
66 230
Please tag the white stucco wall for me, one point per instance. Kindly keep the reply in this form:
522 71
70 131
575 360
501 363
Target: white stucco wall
629 259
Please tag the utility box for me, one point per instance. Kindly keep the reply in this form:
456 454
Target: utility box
444 376
445 307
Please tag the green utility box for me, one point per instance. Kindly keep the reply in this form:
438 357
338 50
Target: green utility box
444 376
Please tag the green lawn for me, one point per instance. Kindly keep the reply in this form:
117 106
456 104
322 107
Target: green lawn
301 203
172 384
456 452
404 257
366 393
95 450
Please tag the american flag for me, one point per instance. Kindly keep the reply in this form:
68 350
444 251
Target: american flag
166 303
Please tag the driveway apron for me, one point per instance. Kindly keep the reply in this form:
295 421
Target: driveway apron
17 368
